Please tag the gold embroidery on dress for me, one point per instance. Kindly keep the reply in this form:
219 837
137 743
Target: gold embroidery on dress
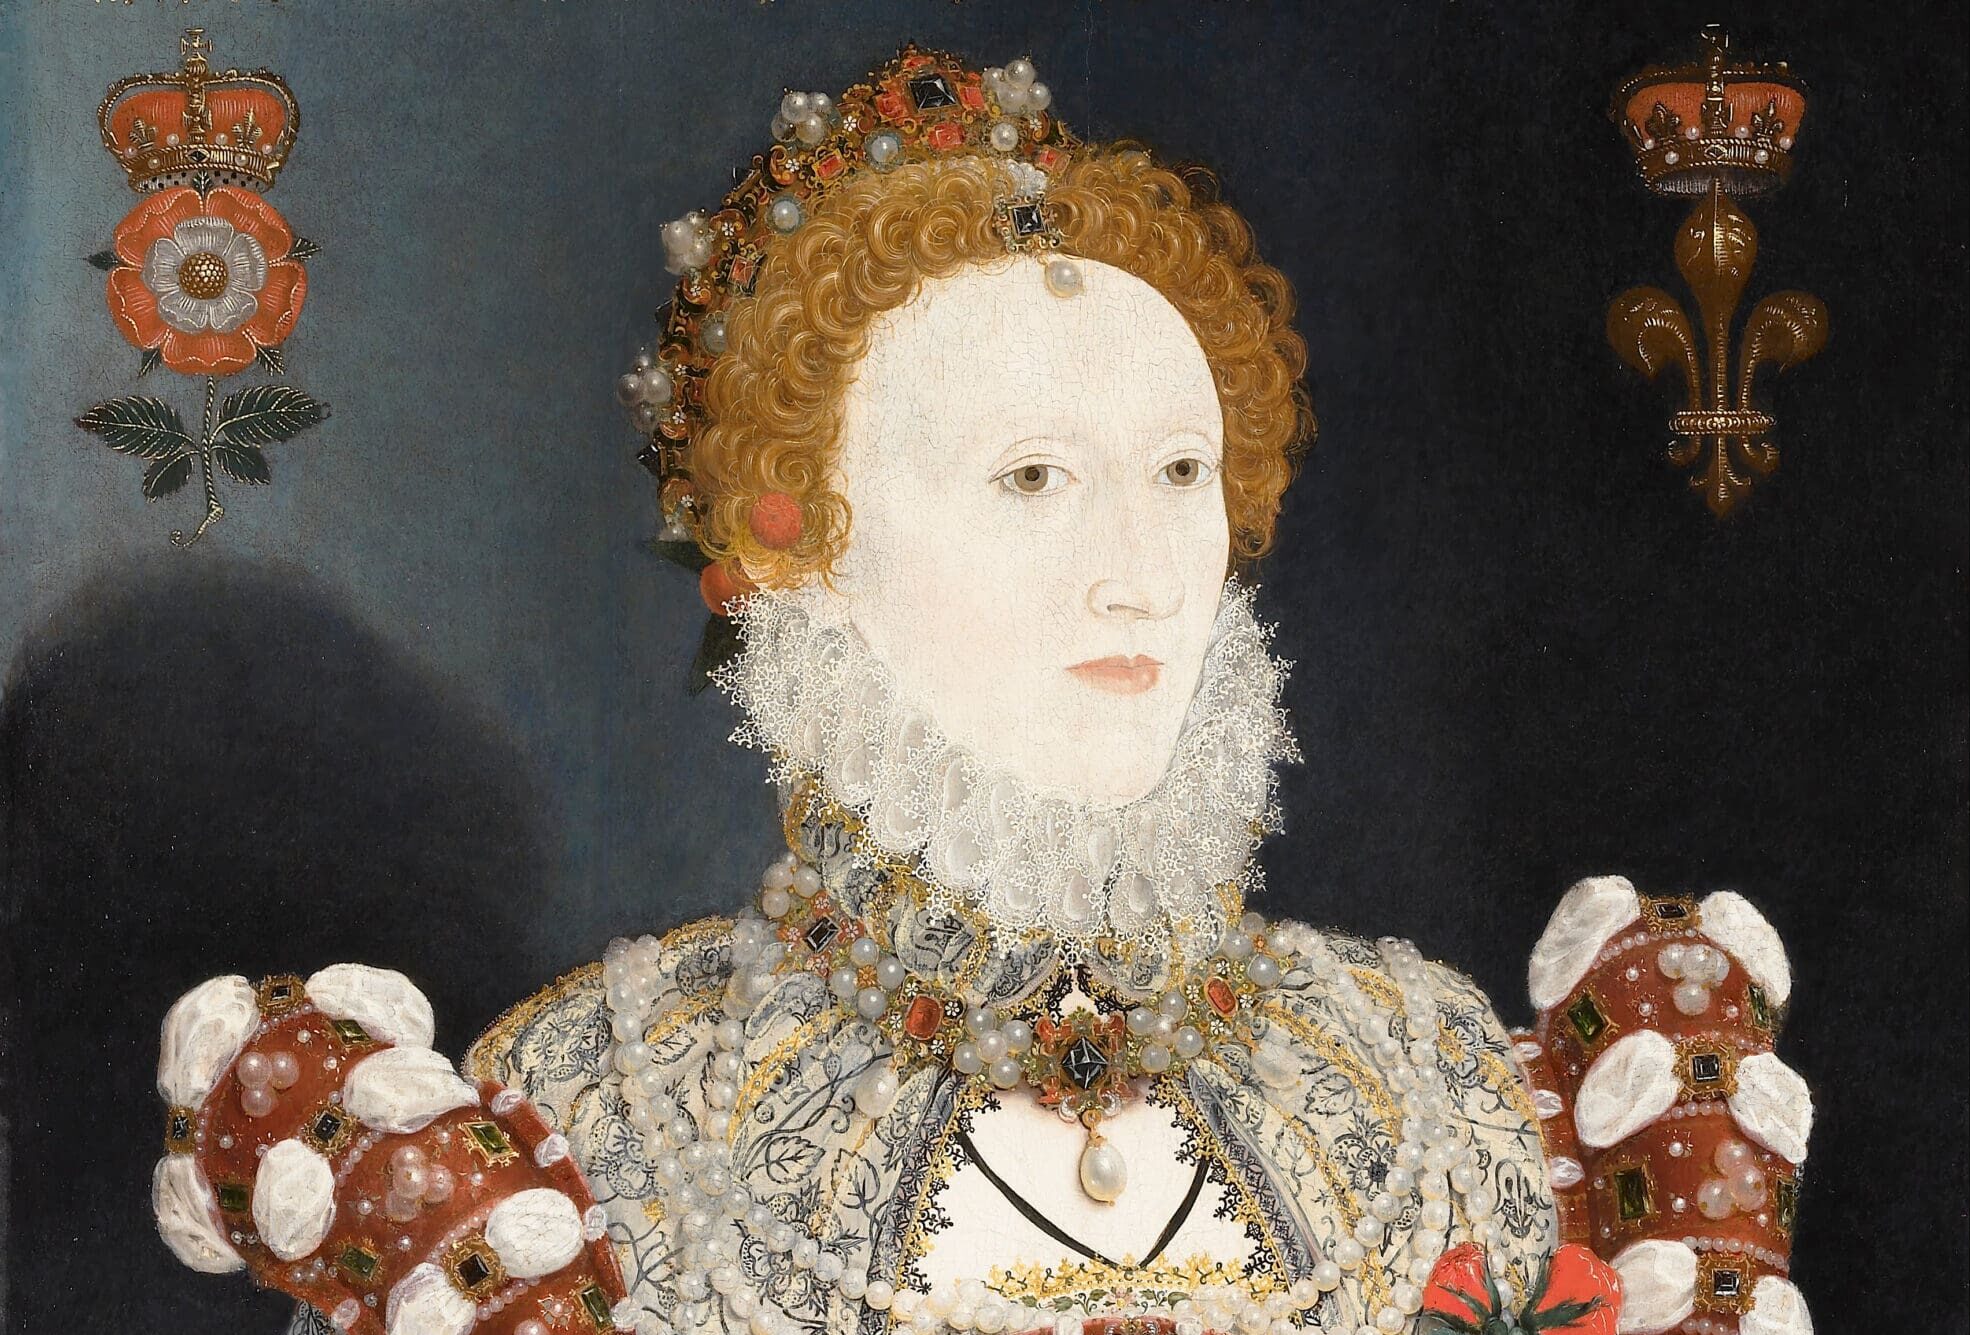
1245 1208
939 1168
486 1057
1384 990
1162 1283
768 1068
1358 1076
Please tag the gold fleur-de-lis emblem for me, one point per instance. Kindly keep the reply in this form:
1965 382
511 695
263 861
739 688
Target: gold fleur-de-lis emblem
1733 146
1721 433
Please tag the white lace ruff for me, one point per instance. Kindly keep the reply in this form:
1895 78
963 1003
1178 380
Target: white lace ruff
817 699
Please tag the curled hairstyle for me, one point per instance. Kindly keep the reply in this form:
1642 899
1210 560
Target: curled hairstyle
773 402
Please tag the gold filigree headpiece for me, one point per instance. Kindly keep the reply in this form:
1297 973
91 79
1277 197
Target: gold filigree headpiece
921 105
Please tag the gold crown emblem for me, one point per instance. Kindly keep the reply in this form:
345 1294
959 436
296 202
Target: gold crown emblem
190 126
1713 121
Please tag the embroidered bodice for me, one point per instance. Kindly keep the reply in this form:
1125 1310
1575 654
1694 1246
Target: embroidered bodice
977 1057
1272 1157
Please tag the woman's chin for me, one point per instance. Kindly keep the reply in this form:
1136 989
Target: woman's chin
1105 750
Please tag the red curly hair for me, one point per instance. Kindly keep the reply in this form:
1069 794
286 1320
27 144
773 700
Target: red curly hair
772 403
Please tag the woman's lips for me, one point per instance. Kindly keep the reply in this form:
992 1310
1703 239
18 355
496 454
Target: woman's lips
1122 676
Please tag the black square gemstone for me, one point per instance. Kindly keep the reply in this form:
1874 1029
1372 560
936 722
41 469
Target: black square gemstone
1028 220
1706 1068
1632 1198
181 1127
1083 1063
821 933
473 1270
930 91
1671 910
327 1126
1586 1018
281 992
1726 1283
233 1198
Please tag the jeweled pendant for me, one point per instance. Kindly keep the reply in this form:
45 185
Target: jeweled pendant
1104 1173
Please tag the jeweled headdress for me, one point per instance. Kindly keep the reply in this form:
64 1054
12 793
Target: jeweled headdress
922 105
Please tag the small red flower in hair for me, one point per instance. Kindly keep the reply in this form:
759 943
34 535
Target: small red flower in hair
775 520
723 586
1577 1294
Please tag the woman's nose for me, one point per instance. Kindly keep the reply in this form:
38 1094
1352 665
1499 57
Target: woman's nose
1146 598
1138 578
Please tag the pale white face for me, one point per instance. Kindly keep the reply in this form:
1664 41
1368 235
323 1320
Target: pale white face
1039 538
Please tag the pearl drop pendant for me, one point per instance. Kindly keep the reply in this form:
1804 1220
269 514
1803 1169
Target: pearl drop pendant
1104 1173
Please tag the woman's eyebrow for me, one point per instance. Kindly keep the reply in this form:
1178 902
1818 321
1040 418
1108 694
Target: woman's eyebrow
1031 443
1176 435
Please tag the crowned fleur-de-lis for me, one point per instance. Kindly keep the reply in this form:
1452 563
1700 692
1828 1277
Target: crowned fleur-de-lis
1737 144
1721 433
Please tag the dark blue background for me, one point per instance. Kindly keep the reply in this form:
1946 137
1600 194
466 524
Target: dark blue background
421 702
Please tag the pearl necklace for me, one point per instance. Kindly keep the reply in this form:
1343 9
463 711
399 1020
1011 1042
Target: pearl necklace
1084 1065
1434 1164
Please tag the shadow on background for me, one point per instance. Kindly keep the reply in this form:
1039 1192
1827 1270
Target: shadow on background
212 770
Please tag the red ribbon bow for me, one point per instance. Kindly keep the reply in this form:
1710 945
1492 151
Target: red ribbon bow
1577 1294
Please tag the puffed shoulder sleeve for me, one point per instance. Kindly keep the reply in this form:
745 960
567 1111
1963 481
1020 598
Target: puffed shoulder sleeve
1675 1134
313 1139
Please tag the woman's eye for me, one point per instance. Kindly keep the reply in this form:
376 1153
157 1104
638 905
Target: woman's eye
1187 472
1034 479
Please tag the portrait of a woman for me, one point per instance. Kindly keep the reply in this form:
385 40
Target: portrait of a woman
975 432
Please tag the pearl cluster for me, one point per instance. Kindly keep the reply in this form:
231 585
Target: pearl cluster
1434 1159
1621 945
804 117
689 1157
1018 92
1696 969
1742 1186
645 388
1737 1246
687 242
260 1075
1017 88
414 1183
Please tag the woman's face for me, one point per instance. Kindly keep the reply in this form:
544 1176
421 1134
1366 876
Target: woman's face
1038 536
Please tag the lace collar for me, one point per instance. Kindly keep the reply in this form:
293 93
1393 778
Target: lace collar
1028 861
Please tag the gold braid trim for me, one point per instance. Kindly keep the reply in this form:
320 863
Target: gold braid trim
770 1066
1358 1076
486 1057
940 1169
1246 1208
1057 1285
